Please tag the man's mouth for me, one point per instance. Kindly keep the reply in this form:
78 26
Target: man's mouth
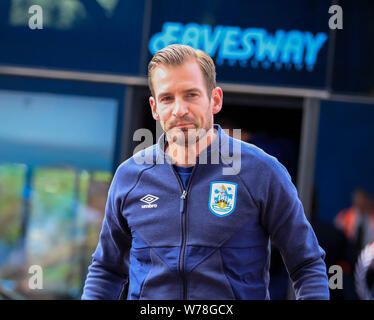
184 126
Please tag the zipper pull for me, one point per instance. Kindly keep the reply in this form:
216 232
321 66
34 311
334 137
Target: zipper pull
184 194
183 201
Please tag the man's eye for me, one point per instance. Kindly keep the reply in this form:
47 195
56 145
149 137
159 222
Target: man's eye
192 95
165 99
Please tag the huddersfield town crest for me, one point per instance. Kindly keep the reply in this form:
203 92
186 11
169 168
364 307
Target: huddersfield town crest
222 198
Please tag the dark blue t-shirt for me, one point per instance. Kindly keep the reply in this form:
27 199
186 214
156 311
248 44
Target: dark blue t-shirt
184 173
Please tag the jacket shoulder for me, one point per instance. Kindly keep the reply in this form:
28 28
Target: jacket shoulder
254 157
129 171
259 171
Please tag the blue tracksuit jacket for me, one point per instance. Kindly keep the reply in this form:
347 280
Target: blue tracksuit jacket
210 241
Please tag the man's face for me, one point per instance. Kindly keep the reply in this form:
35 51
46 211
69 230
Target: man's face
362 202
181 102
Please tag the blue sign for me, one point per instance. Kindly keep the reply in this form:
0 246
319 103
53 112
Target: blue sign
267 42
254 47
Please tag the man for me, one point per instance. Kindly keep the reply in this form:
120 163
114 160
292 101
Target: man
357 222
192 216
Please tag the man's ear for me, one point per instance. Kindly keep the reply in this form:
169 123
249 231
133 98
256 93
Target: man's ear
216 100
153 105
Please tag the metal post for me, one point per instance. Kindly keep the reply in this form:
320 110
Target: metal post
309 132
127 125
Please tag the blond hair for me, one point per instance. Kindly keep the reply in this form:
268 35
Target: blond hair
176 55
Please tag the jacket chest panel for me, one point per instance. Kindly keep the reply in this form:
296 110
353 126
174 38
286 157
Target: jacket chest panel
217 207
152 208
207 225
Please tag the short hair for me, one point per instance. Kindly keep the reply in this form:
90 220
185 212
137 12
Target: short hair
176 55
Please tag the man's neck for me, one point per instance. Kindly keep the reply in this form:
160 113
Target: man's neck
185 156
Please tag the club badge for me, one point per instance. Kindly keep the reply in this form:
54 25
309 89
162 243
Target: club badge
222 198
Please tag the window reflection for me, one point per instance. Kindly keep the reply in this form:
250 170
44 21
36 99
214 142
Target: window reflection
56 156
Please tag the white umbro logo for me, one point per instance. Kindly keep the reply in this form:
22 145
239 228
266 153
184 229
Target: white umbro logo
149 199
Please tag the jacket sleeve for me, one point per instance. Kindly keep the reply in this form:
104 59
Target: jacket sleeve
285 221
108 274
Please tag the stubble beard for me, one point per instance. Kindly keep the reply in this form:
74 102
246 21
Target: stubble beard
188 137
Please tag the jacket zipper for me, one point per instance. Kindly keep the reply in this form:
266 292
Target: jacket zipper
183 201
183 248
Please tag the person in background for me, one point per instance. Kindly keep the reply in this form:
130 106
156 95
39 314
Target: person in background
357 221
357 224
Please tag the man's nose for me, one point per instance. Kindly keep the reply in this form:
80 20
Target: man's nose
180 108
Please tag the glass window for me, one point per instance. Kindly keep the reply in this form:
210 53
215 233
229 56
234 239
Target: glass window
57 153
81 35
